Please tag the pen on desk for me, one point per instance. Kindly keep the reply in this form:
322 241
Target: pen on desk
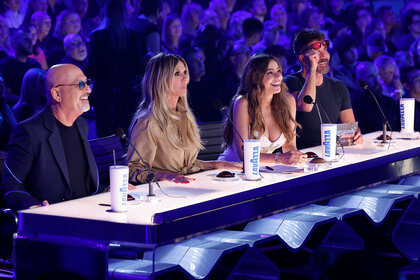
104 204
269 168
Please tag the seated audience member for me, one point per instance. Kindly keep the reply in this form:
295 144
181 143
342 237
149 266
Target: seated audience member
222 11
347 51
235 24
378 26
209 17
258 8
279 15
237 58
49 158
5 46
7 121
386 14
332 95
171 33
145 27
42 23
34 6
37 53
32 95
411 82
164 128
411 28
390 77
13 68
76 51
190 19
252 29
12 13
375 47
263 108
366 110
280 53
335 10
202 91
270 37
68 22
404 60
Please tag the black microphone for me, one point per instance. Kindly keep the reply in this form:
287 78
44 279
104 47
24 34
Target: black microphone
308 100
224 110
150 177
385 123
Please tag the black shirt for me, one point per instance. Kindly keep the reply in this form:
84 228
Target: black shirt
332 96
76 160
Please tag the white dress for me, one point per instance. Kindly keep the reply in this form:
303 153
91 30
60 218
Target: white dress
267 147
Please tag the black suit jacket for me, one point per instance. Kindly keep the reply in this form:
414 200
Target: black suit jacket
36 167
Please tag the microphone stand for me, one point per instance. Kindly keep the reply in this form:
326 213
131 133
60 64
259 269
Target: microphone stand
150 176
385 122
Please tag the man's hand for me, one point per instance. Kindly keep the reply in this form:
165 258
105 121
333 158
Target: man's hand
358 138
44 203
311 59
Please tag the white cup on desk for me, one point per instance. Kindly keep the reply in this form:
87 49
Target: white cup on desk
407 108
118 178
329 141
252 159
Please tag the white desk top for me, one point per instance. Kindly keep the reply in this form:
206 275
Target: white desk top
206 187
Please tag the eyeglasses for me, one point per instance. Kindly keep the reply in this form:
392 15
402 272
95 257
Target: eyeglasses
317 46
81 84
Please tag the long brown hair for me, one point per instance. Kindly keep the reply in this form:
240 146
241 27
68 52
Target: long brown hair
251 88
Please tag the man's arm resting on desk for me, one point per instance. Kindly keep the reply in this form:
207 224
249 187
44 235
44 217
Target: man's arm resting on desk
347 116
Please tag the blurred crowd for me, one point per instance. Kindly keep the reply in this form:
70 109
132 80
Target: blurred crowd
372 44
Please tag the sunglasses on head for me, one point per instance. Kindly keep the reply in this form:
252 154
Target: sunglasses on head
81 85
317 46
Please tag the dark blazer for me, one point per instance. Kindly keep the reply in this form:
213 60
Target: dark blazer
36 168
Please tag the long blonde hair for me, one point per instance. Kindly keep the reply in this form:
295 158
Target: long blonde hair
251 88
156 85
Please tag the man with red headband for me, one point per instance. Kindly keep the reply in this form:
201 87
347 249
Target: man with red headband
332 95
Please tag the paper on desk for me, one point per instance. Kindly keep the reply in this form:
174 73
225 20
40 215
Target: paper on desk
408 136
281 169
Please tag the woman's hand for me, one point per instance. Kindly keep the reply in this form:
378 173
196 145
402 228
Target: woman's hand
293 157
228 165
173 177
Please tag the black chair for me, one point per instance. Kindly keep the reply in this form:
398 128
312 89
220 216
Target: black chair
102 149
8 226
212 136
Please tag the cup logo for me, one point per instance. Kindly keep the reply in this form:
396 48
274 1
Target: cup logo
254 160
327 143
402 109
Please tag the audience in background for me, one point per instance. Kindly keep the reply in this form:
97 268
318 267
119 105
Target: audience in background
76 51
365 108
175 26
32 95
5 46
13 68
171 33
390 77
114 63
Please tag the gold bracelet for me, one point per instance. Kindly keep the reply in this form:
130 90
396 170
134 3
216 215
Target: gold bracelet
276 157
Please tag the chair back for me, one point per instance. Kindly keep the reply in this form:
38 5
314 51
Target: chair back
102 149
212 136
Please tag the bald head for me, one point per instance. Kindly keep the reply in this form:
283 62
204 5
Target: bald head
61 74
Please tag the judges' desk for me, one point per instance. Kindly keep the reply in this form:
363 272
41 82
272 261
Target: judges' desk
209 203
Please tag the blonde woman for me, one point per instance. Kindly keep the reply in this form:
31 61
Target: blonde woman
164 129
263 109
